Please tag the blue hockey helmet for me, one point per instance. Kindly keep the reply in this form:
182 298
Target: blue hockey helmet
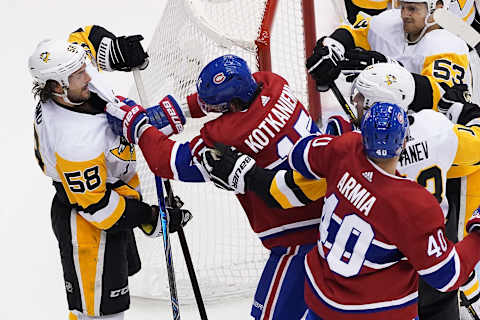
224 79
384 127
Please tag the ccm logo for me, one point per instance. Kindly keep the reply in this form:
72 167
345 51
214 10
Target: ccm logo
119 292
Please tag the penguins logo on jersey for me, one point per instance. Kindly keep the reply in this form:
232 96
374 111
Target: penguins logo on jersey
45 56
125 151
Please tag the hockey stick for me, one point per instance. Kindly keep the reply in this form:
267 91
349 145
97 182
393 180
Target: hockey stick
168 250
469 307
343 103
166 238
458 27
187 256
164 218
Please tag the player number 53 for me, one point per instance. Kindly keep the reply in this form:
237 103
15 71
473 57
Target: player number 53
446 70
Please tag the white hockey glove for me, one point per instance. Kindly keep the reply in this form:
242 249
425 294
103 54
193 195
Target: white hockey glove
228 168
470 299
323 64
177 218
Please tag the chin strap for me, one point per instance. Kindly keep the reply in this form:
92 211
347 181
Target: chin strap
65 97
424 30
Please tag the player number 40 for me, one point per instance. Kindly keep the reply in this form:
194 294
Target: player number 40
437 245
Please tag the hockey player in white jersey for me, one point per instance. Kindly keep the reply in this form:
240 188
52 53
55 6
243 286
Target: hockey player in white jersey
97 202
408 35
433 145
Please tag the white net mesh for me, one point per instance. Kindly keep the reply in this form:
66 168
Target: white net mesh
227 255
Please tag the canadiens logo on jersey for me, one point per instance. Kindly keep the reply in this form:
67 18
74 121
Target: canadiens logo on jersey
45 56
125 151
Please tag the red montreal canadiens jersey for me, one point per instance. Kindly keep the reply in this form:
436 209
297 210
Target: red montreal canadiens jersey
267 131
377 234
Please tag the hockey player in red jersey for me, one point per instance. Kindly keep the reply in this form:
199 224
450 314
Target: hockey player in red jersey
262 118
378 232
445 145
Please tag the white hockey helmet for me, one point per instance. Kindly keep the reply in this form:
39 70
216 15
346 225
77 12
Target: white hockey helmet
431 4
385 82
55 60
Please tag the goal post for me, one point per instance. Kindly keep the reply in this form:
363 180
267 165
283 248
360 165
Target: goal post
274 35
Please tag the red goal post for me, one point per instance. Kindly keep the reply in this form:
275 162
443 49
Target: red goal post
274 35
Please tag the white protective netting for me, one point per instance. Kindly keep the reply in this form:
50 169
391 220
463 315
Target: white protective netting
227 255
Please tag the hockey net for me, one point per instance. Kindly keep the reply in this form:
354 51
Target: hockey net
269 35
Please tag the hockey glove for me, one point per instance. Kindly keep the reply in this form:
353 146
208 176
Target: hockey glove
167 116
132 116
457 93
176 218
358 59
228 168
470 299
323 64
473 224
337 125
122 53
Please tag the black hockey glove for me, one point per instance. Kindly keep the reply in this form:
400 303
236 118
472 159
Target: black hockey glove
122 53
457 93
323 64
176 218
228 168
358 59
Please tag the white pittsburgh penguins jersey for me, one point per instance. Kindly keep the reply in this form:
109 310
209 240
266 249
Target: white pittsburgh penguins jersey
439 55
429 153
96 167
464 9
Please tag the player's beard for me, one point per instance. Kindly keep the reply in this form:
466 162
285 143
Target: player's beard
81 97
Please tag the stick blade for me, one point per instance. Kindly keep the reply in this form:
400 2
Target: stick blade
457 26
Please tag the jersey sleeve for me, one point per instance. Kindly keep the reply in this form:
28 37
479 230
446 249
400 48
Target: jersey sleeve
371 4
359 30
468 150
89 38
337 125
449 67
441 263
290 189
194 106
170 159
86 187
310 156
